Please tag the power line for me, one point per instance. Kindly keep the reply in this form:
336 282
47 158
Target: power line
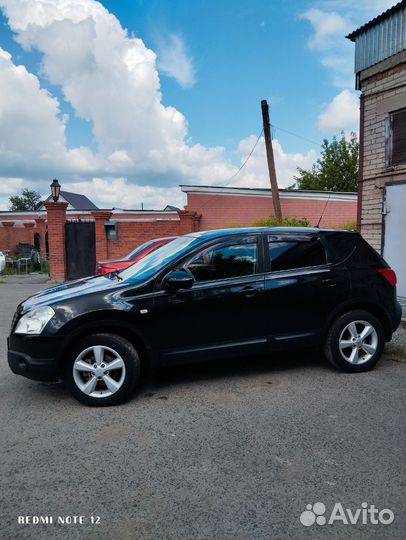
295 134
247 158
235 174
257 141
250 154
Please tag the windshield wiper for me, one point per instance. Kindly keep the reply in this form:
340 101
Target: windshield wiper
112 275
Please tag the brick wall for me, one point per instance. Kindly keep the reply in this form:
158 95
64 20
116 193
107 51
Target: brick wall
134 228
132 234
21 227
383 93
223 210
11 235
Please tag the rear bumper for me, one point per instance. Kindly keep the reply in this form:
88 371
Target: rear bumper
44 367
397 316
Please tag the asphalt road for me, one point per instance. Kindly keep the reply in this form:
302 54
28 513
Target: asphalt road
228 451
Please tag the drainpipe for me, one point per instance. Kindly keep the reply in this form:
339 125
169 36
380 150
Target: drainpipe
361 161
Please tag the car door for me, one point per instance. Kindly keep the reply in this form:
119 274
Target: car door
220 314
301 289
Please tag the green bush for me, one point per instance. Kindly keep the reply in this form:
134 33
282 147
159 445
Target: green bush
285 222
44 266
352 226
290 222
9 271
234 226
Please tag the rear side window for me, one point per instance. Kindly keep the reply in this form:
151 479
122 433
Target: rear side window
354 249
222 262
290 255
341 245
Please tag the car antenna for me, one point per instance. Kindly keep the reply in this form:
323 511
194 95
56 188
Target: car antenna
324 209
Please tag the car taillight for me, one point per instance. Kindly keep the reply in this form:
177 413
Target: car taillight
389 275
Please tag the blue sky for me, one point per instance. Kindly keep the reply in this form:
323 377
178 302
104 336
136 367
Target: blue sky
215 62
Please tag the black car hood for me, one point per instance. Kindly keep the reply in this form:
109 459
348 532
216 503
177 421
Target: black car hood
69 290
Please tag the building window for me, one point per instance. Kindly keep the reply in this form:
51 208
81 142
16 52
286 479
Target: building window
111 231
396 138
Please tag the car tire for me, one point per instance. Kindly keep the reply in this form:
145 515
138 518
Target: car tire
355 341
102 383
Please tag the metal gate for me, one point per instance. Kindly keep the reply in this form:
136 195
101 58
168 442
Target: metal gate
80 245
394 234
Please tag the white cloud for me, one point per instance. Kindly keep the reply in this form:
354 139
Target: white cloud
328 41
111 80
174 61
342 113
119 193
9 187
327 27
30 128
331 21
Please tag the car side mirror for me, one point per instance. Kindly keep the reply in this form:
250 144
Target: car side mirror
178 279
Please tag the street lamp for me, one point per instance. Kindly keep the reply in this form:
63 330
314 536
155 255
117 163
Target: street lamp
55 189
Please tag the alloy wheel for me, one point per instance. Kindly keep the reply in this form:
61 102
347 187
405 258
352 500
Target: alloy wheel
358 342
99 371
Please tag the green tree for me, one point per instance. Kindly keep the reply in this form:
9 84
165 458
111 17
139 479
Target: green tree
336 169
28 200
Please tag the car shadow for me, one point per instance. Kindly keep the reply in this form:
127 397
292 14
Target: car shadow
215 370
242 366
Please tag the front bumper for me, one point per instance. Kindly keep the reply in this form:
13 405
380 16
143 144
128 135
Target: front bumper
44 366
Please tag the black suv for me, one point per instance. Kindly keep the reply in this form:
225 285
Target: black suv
210 294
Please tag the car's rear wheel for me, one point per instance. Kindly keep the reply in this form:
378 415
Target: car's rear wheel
355 341
102 369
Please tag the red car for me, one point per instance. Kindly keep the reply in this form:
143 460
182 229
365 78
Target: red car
105 267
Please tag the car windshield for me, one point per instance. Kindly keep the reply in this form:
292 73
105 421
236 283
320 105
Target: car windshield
154 261
139 249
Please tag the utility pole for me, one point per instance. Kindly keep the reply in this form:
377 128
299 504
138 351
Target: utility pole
271 161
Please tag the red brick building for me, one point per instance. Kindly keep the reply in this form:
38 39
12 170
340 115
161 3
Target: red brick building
224 206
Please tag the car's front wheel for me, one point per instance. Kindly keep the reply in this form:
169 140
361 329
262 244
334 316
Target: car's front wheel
355 341
102 369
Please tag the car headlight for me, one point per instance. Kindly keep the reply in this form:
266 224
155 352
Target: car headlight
34 321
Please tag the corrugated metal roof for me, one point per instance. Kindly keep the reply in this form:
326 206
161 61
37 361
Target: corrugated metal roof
376 20
381 38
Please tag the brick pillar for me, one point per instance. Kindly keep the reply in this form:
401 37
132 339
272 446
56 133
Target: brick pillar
189 221
8 225
100 219
56 216
30 233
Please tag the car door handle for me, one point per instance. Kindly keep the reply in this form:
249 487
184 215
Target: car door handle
249 291
329 282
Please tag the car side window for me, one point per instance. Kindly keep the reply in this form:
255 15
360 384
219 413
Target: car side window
296 254
225 261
